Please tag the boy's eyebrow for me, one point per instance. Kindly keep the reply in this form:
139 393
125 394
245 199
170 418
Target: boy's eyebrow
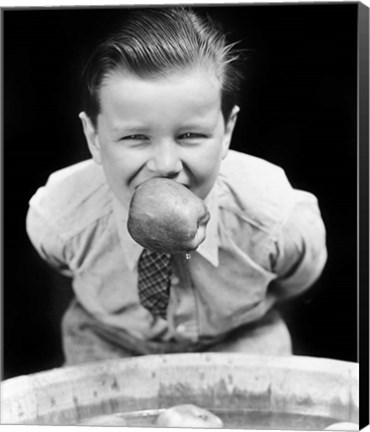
142 130
202 123
129 129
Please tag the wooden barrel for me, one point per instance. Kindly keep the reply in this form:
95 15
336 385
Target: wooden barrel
294 384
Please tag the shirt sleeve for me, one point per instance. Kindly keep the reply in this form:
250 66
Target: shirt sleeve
300 245
50 246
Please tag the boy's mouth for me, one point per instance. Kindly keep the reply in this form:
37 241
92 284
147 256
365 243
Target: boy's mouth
183 184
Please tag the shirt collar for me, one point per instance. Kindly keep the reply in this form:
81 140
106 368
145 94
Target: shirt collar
132 250
209 248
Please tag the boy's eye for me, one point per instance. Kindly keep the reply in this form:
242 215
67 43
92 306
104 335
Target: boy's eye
136 137
191 135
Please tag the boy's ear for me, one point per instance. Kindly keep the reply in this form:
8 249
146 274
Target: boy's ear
91 137
229 128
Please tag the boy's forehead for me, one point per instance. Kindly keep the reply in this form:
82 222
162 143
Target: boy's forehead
197 87
193 75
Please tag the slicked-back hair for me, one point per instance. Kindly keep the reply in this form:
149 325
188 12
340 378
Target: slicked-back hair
154 42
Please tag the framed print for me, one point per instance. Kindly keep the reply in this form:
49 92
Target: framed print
185 215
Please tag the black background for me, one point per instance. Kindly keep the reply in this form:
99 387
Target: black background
298 111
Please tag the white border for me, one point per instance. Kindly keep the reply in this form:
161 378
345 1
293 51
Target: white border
66 3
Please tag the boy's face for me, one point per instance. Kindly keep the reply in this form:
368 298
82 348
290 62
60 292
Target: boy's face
169 126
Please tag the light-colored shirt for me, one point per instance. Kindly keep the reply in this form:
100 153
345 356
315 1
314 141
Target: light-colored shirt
265 242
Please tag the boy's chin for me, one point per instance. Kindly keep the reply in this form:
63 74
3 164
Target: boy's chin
201 193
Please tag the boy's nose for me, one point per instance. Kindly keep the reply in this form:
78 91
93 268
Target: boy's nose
165 160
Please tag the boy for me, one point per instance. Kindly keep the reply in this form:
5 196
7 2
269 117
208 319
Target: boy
161 101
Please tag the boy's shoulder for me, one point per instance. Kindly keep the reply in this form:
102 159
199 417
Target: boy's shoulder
243 167
254 188
74 197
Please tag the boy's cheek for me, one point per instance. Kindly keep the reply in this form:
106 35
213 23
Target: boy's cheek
204 183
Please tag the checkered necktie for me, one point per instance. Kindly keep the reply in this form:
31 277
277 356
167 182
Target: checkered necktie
154 281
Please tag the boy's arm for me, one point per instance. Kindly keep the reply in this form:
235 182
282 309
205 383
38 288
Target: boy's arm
46 241
300 248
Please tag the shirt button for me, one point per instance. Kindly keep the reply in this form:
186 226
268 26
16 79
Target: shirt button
181 328
175 280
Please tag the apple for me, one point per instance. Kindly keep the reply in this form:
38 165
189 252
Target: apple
188 416
346 426
165 216
105 420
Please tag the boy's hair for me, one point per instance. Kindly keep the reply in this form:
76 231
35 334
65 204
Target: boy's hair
155 42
